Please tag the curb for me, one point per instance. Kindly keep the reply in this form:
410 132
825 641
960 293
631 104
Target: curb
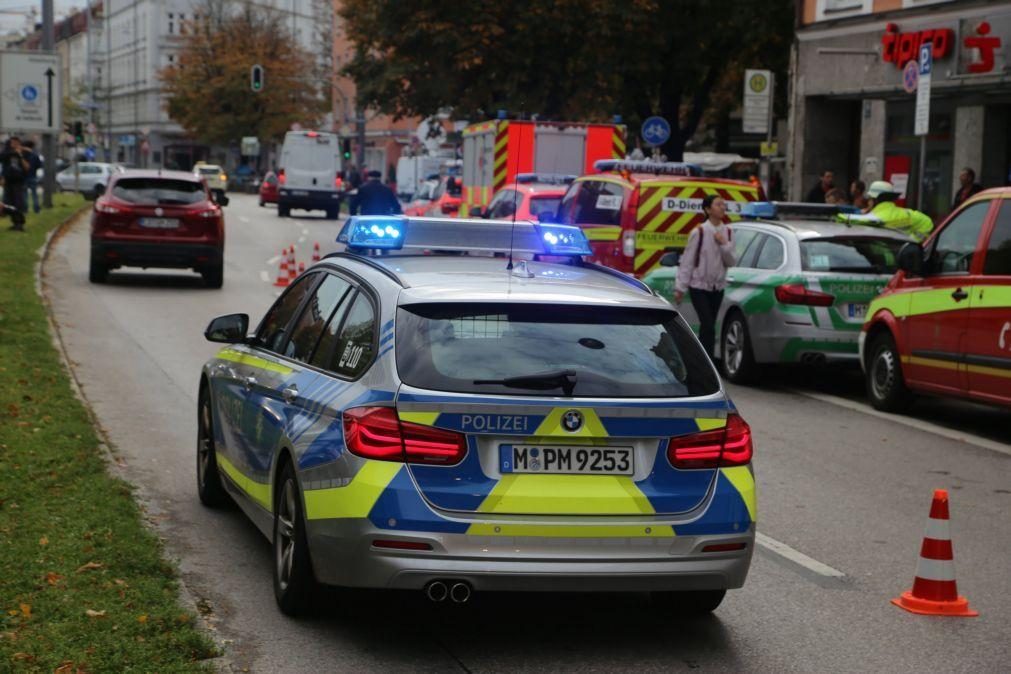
189 599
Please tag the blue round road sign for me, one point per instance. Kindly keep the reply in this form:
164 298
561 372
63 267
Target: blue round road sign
655 130
29 93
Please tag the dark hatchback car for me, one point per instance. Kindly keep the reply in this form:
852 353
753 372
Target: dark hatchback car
164 219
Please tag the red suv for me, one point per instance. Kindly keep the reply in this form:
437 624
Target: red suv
158 219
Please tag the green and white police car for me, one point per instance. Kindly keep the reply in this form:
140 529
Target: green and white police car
800 290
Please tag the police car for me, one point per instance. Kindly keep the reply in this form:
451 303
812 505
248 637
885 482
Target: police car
469 423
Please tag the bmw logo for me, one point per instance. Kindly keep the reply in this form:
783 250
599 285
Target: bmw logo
572 421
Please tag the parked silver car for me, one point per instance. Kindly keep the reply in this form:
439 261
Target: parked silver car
89 178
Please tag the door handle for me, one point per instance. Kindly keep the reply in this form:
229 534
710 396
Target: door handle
959 295
289 393
250 382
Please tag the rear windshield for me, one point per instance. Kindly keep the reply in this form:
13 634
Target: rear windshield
540 205
158 191
592 202
859 255
544 349
208 171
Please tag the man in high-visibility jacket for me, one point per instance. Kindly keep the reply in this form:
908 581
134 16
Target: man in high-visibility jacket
884 212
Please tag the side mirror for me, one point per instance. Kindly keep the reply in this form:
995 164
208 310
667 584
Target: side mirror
95 193
911 259
230 329
222 200
670 259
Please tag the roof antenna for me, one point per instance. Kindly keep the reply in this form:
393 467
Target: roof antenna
516 194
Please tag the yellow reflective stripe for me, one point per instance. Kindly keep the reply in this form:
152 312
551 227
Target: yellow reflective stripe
253 361
710 424
918 302
355 499
991 297
423 418
931 362
604 233
744 482
681 221
552 424
524 494
572 530
258 491
991 371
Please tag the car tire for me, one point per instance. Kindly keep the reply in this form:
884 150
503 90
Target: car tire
294 582
283 211
214 276
262 203
332 214
97 271
209 488
737 359
886 385
689 603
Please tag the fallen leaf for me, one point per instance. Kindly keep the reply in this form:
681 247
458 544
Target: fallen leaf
66 668
94 614
23 656
53 578
120 581
26 610
142 619
43 541
89 566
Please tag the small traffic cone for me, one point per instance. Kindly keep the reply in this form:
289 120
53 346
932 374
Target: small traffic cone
292 272
934 590
315 252
282 271
301 267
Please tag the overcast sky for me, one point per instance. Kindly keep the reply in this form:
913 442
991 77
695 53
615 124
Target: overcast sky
13 12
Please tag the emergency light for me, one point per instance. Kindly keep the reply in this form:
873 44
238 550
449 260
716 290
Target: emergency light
771 210
563 239
545 178
377 232
673 168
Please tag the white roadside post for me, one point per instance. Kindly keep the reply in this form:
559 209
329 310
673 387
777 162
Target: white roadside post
922 117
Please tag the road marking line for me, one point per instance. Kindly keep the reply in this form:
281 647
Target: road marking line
274 260
305 231
918 424
301 239
264 276
797 557
243 218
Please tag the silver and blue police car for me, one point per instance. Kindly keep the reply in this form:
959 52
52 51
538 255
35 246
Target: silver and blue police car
441 408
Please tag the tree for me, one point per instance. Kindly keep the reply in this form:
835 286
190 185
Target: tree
562 59
208 89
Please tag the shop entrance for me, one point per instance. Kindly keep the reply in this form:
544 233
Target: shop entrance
902 156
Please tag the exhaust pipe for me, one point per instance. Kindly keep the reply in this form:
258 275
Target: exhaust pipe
436 591
460 593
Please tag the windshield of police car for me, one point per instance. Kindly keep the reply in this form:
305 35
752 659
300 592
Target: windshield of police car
857 255
612 352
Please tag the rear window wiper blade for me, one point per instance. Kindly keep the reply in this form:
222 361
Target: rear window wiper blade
540 381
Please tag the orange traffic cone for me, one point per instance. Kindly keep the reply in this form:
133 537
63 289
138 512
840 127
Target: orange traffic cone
292 272
282 272
315 252
934 590
301 267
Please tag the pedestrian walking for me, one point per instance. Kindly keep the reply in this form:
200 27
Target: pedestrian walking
967 187
374 198
858 194
32 181
884 212
816 195
14 170
702 272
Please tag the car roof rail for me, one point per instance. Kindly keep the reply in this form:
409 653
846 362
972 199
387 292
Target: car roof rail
627 278
782 210
368 261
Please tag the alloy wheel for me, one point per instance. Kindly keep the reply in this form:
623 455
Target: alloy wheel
733 346
284 543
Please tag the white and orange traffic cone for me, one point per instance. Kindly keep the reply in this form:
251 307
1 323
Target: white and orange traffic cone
934 589
282 272
315 252
292 271
301 267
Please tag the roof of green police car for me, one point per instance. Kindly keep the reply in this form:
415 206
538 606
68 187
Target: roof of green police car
810 229
452 278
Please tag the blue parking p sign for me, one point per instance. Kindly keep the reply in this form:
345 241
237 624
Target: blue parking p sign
655 131
926 58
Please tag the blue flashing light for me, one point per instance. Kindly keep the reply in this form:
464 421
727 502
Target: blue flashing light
374 231
563 239
849 209
759 209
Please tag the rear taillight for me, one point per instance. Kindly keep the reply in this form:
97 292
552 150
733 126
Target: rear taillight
377 433
628 243
338 183
281 178
106 208
728 446
795 293
209 213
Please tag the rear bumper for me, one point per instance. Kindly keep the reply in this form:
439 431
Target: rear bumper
163 255
781 338
310 200
343 554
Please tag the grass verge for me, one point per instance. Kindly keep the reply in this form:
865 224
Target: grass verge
83 584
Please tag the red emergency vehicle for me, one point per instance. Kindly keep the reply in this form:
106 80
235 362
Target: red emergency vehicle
495 152
532 195
943 323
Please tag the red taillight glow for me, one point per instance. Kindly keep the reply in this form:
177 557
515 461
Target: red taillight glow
209 213
109 209
723 547
377 433
338 183
281 178
795 293
729 446
401 545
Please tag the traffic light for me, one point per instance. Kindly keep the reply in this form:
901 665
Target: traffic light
78 132
256 79
346 146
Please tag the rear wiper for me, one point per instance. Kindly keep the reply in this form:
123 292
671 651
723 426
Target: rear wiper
541 381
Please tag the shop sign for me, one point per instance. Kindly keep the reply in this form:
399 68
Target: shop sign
900 48
982 45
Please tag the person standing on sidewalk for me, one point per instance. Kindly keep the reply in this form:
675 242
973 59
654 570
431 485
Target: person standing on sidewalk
702 272
32 181
14 169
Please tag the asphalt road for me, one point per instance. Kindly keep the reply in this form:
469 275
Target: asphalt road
846 491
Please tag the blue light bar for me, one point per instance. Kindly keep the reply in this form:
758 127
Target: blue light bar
563 239
382 232
545 178
672 168
759 209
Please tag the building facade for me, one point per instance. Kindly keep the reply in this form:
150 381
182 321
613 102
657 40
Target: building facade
853 100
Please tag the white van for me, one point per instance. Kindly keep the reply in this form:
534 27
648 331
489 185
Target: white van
309 173
412 172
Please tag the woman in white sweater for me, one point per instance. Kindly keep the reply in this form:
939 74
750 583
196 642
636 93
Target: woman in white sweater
702 272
